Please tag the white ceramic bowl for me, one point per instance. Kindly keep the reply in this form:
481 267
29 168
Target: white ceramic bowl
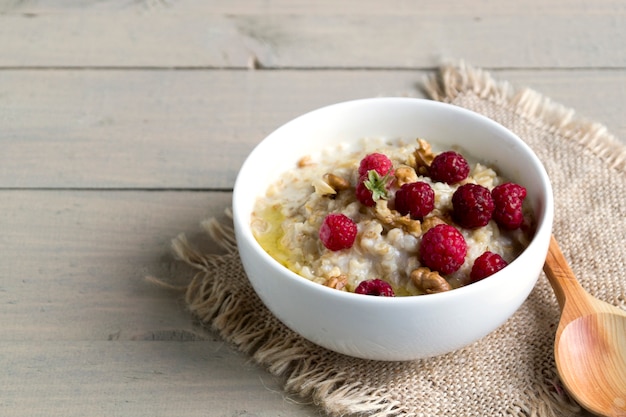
398 328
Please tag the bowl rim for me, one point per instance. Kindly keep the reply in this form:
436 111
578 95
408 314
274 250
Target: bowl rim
544 221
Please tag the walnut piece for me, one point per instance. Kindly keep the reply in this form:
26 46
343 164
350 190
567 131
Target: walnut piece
392 218
430 222
337 282
429 282
322 187
305 161
423 157
404 175
336 182
330 184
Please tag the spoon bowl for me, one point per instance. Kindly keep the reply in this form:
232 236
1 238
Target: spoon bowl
590 342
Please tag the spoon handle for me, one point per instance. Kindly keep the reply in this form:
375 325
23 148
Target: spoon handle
562 278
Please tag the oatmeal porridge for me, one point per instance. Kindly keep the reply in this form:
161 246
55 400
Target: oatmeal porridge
393 218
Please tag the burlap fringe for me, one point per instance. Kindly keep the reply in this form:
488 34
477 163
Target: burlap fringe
289 356
455 79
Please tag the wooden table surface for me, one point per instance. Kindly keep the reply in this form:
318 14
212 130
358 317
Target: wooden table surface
124 123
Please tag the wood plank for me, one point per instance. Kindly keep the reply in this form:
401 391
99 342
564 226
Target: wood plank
158 129
202 378
192 129
73 264
311 7
307 35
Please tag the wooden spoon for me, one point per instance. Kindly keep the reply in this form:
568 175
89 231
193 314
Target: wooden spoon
590 342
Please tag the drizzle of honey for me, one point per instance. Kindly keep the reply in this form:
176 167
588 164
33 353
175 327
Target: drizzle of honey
270 238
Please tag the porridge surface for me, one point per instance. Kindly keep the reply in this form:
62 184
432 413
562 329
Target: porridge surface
287 219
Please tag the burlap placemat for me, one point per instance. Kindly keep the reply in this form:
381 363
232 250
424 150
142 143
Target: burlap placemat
508 373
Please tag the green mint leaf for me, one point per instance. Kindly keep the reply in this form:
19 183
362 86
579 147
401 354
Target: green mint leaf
377 185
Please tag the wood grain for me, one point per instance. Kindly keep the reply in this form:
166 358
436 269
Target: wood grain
74 263
100 378
158 129
375 35
192 129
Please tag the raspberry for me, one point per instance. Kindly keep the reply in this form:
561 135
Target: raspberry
486 264
416 199
508 199
376 287
364 195
472 206
449 167
337 232
377 162
443 249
